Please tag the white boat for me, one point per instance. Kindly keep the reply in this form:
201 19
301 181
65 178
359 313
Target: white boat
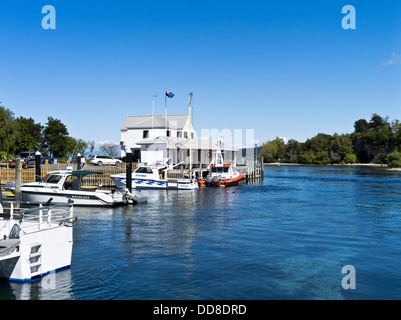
154 176
35 241
221 174
63 185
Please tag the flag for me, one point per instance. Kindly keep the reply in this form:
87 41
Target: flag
169 94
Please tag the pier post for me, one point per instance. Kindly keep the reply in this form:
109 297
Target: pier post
128 176
78 161
17 180
1 196
38 175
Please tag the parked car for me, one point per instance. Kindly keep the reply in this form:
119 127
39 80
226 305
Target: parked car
27 160
45 157
99 160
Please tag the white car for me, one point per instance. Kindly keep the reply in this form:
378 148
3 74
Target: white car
99 160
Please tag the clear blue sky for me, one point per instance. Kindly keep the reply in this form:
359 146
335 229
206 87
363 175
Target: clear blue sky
283 68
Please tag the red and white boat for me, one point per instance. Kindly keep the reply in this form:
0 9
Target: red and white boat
221 174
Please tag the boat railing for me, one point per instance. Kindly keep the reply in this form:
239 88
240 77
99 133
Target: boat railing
42 216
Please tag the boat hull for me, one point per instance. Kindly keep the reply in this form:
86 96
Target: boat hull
80 198
221 183
177 184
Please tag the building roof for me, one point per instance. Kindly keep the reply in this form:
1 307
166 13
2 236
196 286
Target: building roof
175 121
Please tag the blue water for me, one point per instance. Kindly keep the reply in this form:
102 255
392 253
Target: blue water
287 237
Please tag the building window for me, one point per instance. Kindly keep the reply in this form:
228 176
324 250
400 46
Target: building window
192 135
145 134
179 134
185 134
168 133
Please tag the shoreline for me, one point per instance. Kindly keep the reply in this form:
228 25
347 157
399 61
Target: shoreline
380 165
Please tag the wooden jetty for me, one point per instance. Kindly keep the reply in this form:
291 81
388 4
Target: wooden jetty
249 172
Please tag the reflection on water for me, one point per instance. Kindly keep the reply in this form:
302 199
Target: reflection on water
54 286
287 237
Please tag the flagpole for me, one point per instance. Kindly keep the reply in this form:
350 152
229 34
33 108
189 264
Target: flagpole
165 109
165 120
153 108
190 135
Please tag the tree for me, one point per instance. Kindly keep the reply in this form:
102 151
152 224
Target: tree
9 130
73 147
109 148
316 150
292 150
361 125
341 149
374 139
273 150
55 138
29 135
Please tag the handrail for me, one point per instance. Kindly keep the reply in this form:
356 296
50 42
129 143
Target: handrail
42 217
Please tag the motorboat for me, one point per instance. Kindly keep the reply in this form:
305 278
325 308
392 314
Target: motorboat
5 193
34 240
154 176
221 174
63 185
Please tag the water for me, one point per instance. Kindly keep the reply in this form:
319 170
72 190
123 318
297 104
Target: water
287 237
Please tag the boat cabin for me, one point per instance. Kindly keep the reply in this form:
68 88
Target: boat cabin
226 171
68 180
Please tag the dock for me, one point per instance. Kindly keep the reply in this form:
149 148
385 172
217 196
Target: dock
249 172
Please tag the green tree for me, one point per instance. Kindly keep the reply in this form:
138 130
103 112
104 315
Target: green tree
374 139
292 150
109 148
29 135
76 146
341 149
361 125
272 150
55 137
316 150
8 130
394 159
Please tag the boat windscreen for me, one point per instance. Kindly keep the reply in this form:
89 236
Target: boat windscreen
220 169
52 178
144 170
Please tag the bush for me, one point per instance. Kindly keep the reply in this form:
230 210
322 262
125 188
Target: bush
394 159
380 158
350 158
5 157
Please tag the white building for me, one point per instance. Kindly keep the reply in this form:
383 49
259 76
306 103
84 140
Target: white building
163 138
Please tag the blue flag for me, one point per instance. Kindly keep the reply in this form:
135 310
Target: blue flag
169 94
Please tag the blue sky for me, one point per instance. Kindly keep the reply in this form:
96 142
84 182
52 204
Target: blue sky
282 68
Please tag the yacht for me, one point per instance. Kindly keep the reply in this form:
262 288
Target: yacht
154 176
63 185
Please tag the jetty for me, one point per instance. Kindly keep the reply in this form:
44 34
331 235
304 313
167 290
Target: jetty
250 171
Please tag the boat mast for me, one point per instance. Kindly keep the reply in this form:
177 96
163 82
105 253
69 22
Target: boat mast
190 134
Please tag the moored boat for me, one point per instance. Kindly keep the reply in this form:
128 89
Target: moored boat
64 185
34 241
221 174
154 176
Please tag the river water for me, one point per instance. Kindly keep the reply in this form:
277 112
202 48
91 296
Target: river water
286 237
